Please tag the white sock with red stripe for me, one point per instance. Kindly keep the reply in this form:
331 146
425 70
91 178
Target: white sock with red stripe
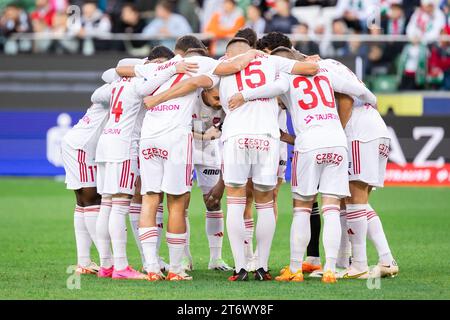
248 243
90 219
82 238
265 230
134 216
176 244
118 231
214 231
102 234
236 230
160 225
148 238
187 249
331 236
300 236
343 260
357 231
376 234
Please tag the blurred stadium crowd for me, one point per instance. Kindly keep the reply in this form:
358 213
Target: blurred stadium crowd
416 53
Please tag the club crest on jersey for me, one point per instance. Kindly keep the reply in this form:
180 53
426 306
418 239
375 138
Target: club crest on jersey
252 143
151 153
216 120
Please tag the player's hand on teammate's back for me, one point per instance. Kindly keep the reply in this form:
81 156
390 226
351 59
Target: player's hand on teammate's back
212 133
152 101
236 101
186 67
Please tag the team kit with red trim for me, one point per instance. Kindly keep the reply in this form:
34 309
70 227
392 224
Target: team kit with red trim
156 121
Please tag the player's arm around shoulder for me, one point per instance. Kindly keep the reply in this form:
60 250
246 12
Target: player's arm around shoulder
236 64
102 95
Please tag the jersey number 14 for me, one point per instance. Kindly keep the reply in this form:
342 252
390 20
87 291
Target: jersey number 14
116 107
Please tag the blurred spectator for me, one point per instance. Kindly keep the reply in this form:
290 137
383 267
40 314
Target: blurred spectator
412 67
209 7
166 22
14 20
394 22
339 48
67 43
42 16
226 22
322 3
377 55
439 61
305 47
132 23
282 21
445 6
255 20
190 10
355 12
427 22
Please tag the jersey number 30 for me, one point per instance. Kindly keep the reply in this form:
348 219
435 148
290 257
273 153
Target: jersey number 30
311 89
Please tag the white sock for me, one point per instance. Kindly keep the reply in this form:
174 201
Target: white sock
357 230
160 225
102 234
118 231
134 216
343 260
90 220
265 230
376 234
236 230
300 236
331 236
248 243
82 238
214 231
148 237
187 249
176 244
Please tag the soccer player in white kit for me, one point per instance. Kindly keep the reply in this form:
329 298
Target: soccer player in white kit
117 159
319 164
251 149
78 153
207 118
166 155
368 146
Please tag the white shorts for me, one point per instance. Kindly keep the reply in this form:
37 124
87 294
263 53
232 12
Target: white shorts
207 177
282 164
321 170
166 163
255 156
368 161
117 177
81 170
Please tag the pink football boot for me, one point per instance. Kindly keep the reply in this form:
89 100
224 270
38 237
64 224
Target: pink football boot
128 273
105 272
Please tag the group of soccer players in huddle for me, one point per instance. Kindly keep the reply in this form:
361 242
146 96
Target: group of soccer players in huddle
158 119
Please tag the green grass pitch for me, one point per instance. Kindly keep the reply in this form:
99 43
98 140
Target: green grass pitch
37 246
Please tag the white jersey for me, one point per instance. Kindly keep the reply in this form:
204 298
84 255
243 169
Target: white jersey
311 103
282 123
177 113
258 116
365 123
204 117
85 134
119 139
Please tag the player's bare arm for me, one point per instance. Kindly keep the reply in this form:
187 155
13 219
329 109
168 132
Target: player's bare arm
179 90
236 64
286 137
305 68
345 107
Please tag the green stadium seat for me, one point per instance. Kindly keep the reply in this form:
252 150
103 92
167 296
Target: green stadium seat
386 83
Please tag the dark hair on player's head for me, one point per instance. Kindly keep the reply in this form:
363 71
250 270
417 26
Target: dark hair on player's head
188 42
284 50
249 34
197 51
90 2
274 40
131 5
160 52
236 40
